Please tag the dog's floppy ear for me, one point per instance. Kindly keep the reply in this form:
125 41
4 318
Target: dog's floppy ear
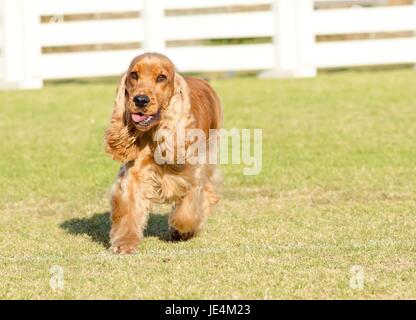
180 102
177 115
119 101
180 83
119 138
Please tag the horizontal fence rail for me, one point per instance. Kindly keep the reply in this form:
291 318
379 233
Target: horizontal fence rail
57 39
230 57
365 52
225 26
53 7
85 64
198 4
364 20
90 32
362 53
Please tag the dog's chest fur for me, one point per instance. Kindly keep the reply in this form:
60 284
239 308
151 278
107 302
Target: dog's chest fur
159 183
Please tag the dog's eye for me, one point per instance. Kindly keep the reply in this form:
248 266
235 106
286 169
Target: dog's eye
134 75
161 78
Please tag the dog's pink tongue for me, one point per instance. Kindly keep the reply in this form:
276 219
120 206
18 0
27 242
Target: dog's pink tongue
139 117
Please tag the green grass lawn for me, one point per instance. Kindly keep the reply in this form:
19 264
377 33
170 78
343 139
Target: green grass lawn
337 190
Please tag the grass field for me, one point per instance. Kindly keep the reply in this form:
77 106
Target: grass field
337 190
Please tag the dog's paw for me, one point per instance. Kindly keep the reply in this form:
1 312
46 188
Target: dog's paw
123 249
175 235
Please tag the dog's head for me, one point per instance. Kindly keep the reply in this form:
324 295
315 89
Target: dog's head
148 85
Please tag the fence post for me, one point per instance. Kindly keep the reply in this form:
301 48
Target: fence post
20 48
293 39
153 15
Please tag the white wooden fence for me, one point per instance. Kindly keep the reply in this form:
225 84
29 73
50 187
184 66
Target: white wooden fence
292 24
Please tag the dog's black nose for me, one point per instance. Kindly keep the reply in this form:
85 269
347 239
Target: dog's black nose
141 100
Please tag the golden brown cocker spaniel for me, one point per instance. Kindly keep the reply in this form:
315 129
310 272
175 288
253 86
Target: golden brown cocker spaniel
152 97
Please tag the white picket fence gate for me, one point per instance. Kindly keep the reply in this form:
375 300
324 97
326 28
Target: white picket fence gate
292 24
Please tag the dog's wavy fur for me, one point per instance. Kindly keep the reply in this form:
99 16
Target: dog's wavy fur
141 181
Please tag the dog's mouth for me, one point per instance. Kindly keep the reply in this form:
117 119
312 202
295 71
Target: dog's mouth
145 120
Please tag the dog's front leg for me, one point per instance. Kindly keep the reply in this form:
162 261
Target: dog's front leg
129 214
188 216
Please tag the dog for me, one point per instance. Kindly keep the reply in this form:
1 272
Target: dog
152 97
